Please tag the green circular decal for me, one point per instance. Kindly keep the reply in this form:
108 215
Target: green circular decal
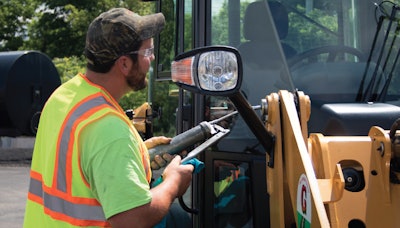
303 202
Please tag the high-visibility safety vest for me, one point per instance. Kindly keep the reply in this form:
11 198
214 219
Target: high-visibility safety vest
59 195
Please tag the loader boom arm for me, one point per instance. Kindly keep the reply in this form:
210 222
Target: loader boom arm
327 181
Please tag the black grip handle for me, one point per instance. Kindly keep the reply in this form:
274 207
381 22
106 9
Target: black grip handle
183 140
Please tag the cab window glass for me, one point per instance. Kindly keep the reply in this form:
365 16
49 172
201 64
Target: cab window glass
167 40
171 42
232 194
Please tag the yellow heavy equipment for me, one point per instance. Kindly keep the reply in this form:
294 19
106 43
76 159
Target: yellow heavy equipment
306 97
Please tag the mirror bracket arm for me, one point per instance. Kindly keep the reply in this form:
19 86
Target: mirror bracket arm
253 121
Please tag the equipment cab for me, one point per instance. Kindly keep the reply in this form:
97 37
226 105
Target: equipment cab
343 54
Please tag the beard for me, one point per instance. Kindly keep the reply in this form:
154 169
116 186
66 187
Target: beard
136 79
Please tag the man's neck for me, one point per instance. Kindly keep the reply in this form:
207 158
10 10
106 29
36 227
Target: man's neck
111 82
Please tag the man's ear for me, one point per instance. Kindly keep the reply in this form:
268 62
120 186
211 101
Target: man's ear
124 64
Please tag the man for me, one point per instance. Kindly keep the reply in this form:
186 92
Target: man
89 166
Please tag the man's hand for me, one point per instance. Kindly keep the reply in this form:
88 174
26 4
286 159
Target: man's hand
180 175
155 141
159 161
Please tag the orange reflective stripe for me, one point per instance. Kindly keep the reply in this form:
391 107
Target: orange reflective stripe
145 157
143 151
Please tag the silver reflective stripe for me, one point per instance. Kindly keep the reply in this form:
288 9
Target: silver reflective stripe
35 187
57 204
65 138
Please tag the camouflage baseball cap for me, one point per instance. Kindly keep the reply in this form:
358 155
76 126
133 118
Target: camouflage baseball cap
115 33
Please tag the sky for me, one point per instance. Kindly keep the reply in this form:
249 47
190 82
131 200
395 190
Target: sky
216 5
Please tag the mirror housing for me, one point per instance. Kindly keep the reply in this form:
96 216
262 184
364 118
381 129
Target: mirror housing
217 71
213 70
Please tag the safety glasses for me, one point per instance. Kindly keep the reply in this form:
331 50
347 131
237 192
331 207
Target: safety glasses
144 52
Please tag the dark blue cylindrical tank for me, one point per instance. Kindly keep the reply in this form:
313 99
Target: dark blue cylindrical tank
27 78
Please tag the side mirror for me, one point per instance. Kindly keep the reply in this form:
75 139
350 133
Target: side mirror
214 70
217 71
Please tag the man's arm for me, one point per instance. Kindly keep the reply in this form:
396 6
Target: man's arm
176 180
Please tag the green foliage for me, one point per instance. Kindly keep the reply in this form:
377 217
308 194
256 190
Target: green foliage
166 104
219 30
311 36
68 67
167 47
133 100
14 17
58 27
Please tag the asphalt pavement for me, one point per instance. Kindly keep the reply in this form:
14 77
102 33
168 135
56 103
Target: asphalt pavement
14 180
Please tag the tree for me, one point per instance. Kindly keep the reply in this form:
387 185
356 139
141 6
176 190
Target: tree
14 18
58 27
167 104
311 35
